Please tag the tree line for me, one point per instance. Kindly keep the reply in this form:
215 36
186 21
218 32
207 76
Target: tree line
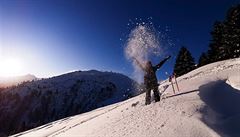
224 44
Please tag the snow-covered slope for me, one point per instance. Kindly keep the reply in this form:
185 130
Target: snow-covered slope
207 106
32 104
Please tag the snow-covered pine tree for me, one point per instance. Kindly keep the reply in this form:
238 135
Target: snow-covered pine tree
203 60
184 62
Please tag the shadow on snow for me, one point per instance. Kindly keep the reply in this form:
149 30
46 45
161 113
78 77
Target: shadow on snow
187 92
222 110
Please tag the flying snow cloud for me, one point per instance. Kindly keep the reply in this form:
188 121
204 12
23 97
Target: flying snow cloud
142 45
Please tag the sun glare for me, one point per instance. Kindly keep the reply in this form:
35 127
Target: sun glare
10 67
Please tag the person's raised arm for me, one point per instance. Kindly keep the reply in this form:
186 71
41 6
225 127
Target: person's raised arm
162 62
139 64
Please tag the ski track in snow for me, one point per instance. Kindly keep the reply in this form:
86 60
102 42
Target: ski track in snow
68 119
83 121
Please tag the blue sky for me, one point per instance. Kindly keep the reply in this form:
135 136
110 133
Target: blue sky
52 37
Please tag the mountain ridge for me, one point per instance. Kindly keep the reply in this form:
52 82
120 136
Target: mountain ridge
15 80
38 102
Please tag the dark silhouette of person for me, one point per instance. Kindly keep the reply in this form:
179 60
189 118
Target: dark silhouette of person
150 79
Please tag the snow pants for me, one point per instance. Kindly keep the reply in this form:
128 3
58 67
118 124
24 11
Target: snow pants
148 94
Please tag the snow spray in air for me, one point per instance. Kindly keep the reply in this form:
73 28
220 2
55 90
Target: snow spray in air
142 44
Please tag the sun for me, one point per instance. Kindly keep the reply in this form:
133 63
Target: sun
10 67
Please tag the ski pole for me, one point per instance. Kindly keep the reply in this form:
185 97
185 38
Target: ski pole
176 83
170 79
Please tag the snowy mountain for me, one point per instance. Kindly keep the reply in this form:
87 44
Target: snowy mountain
35 103
206 106
11 81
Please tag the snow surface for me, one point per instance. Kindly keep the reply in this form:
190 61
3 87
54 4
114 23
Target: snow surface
207 106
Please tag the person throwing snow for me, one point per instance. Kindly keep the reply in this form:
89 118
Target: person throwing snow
150 79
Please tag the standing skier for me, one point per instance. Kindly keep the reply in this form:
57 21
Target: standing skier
150 79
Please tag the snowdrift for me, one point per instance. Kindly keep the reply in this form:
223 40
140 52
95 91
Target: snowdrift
207 106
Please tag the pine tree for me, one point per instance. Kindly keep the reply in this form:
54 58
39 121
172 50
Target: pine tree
232 32
217 50
203 60
225 43
184 62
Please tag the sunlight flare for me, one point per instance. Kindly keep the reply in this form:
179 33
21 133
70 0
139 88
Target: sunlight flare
11 67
